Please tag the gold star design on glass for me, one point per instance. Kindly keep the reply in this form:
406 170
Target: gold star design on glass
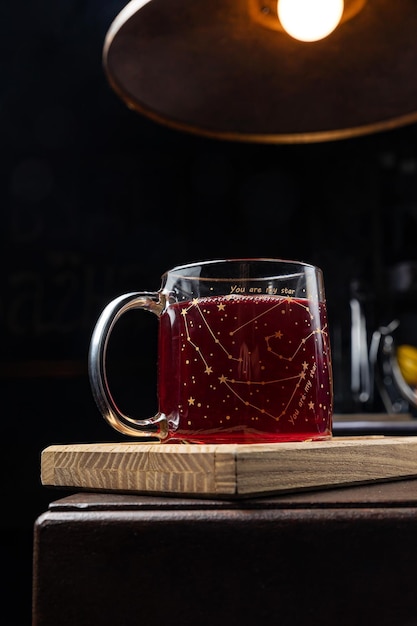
225 337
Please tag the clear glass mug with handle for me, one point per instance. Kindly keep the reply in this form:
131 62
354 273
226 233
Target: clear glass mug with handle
243 354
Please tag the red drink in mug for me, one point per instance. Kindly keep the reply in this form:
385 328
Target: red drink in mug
245 369
243 354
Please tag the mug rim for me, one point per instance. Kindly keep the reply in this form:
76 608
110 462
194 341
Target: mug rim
179 269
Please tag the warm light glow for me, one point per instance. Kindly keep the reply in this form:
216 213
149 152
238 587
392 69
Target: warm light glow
310 20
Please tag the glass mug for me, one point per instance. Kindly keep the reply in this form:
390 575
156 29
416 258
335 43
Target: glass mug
243 354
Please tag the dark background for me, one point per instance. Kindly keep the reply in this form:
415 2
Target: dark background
96 201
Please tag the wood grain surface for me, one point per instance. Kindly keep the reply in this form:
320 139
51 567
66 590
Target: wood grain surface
228 470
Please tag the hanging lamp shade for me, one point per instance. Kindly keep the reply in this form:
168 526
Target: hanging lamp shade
226 69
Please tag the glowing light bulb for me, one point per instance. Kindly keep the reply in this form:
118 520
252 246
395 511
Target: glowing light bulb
310 20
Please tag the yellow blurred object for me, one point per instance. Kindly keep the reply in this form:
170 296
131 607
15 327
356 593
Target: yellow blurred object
407 362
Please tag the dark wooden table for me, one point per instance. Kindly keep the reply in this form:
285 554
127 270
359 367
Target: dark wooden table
341 557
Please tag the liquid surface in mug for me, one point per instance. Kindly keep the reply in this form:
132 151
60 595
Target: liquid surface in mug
245 369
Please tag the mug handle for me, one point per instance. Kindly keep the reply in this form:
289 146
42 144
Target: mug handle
155 426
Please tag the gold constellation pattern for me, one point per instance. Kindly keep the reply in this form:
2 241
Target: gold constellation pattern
297 378
286 300
303 341
221 307
232 383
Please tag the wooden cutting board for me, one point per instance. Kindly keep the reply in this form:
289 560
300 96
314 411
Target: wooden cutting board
228 470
